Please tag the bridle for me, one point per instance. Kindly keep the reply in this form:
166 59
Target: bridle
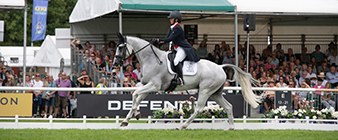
124 50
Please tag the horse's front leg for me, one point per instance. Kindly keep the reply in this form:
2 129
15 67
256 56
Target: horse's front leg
138 96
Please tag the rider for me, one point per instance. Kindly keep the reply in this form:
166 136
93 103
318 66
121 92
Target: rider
181 46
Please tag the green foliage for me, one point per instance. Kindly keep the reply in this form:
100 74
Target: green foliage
57 17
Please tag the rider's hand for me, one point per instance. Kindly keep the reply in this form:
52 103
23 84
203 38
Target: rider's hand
154 41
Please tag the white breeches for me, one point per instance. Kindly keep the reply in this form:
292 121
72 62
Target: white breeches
180 55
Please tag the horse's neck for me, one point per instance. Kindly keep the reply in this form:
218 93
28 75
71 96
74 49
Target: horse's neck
146 55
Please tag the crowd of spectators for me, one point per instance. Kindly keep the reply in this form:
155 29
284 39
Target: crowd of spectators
272 68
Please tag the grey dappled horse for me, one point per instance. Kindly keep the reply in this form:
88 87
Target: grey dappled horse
209 79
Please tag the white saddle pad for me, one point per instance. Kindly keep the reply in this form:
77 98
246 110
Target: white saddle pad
189 67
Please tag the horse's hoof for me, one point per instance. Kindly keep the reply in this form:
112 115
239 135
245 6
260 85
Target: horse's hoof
229 129
123 124
177 129
138 116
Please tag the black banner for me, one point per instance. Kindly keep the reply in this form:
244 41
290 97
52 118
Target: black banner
283 98
93 105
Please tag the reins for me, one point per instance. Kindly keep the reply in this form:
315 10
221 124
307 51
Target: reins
159 60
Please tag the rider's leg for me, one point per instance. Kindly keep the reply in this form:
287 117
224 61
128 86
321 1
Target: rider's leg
180 55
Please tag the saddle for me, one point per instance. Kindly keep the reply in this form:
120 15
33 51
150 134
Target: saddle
183 68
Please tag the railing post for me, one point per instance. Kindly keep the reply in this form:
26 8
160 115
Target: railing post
212 122
51 121
117 121
84 121
244 121
181 119
149 122
17 121
307 121
276 122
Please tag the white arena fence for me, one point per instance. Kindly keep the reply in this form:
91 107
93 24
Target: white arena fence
149 123
213 123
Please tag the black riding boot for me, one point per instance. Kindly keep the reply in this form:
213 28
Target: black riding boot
179 77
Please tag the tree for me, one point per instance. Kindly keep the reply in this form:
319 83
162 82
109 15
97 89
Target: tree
57 17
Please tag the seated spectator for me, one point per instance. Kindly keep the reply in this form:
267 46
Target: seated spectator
281 83
314 69
323 68
102 84
304 57
275 78
202 51
129 71
297 64
106 60
263 78
228 58
293 78
137 71
126 83
269 97
319 86
274 60
303 94
105 51
9 81
318 55
327 97
85 83
217 55
99 55
330 49
109 68
303 77
294 94
280 74
269 65
227 84
92 58
322 76
279 48
311 73
111 46
279 57
289 55
333 59
303 68
99 65
332 76
267 52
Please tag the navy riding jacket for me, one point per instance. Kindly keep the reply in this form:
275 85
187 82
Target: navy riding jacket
176 34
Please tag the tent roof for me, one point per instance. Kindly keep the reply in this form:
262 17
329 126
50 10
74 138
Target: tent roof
287 6
186 5
48 55
89 9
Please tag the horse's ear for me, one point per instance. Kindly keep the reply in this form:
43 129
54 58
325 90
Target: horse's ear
121 38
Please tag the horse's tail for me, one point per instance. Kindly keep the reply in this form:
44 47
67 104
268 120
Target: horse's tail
245 79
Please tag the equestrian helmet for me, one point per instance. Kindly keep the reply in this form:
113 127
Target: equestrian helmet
176 15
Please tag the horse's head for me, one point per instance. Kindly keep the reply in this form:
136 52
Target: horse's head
122 51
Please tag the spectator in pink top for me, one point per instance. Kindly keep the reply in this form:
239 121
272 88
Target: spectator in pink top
269 65
62 98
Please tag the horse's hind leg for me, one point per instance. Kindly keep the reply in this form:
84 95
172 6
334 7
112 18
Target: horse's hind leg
202 98
220 100
138 96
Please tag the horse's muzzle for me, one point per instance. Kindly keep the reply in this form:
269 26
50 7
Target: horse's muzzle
117 62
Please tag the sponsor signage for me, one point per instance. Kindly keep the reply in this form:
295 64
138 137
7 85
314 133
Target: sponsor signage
93 105
12 104
283 98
